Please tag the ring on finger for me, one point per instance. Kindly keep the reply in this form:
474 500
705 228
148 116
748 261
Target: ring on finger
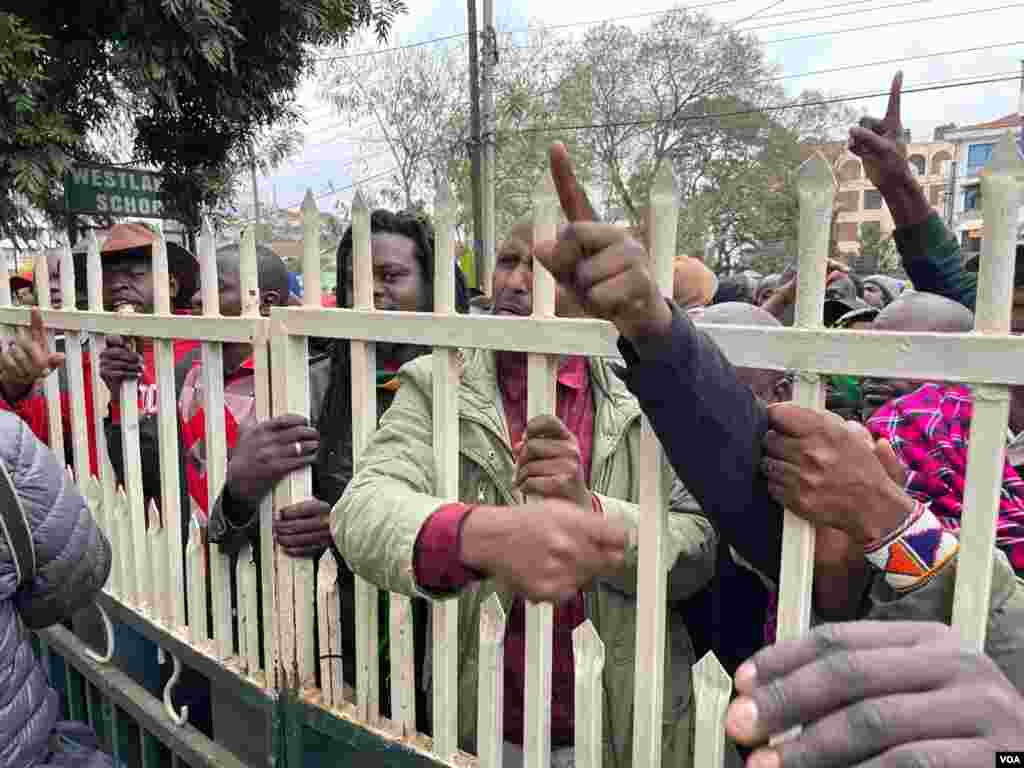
298 448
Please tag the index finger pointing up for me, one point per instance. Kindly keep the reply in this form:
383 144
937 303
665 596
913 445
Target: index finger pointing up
570 194
892 114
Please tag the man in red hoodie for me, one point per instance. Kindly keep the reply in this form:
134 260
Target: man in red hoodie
128 282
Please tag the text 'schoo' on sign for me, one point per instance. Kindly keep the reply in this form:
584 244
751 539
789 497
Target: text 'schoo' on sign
114 191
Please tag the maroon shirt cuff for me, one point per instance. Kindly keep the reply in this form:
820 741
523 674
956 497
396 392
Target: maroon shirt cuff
435 561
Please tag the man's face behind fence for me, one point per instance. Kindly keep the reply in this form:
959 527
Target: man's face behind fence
128 281
399 284
512 286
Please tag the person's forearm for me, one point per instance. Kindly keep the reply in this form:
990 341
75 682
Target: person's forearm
711 427
907 202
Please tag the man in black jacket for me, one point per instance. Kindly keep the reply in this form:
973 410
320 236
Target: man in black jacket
829 474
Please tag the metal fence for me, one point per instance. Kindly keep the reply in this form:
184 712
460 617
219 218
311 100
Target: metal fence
300 634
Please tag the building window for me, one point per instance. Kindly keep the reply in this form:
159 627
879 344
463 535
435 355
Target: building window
849 200
917 164
972 198
872 200
849 171
978 156
940 162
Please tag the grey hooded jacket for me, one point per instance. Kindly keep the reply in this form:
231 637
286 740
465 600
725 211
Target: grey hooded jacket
72 562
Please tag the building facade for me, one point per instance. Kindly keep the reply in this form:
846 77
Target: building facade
860 205
973 151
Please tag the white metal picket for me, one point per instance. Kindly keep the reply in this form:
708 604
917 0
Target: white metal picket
816 189
364 422
147 573
445 613
652 568
540 400
1002 195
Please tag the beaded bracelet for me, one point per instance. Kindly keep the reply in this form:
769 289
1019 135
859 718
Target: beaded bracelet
914 552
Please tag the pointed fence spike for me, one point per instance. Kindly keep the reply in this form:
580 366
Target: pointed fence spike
309 202
67 277
443 194
492 618
815 173
359 202
41 268
712 687
588 657
93 272
665 185
1006 156
153 515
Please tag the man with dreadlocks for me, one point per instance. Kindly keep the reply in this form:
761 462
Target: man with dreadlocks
402 250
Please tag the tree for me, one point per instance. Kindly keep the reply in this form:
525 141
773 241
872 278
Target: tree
411 96
417 103
876 252
206 78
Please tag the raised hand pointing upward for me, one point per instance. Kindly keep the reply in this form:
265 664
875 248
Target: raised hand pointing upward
879 143
603 268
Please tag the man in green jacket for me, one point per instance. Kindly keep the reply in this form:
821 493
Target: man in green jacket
572 543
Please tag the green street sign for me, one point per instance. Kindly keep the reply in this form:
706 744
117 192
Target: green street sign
113 191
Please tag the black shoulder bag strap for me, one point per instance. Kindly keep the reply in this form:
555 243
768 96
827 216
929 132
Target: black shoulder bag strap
15 529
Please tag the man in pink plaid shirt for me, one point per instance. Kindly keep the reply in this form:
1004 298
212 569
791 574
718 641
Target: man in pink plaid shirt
929 430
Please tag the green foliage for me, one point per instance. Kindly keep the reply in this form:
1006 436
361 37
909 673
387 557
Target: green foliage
200 81
876 252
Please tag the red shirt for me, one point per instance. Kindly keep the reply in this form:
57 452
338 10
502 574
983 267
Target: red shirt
147 382
438 568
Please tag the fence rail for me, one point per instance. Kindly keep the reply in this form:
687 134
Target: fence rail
299 646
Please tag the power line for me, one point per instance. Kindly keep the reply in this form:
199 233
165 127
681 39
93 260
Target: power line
346 188
567 25
891 24
886 62
420 44
843 31
777 108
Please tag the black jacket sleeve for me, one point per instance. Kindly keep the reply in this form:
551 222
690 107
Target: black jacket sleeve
711 427
149 453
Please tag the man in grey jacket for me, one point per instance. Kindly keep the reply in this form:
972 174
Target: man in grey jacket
72 561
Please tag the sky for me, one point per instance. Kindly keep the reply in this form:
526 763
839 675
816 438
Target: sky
331 159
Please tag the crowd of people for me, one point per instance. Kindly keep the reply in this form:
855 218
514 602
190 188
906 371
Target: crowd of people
548 507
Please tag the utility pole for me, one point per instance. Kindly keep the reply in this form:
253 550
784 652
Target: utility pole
489 61
255 189
474 142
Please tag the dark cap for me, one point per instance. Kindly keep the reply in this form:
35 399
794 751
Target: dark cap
865 314
836 307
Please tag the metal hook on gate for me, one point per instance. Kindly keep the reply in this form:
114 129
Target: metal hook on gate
168 703
108 629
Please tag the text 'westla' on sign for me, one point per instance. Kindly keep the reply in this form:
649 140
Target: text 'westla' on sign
111 190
